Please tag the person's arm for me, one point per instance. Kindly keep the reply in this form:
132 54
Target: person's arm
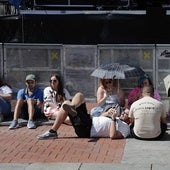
101 97
131 116
6 93
163 115
110 112
163 120
114 133
40 100
7 96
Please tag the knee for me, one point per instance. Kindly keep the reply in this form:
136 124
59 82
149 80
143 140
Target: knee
19 102
31 101
67 102
81 96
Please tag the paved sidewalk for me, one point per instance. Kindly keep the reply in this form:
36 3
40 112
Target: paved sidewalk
21 150
21 146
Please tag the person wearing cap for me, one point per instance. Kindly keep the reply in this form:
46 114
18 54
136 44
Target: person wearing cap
136 93
29 103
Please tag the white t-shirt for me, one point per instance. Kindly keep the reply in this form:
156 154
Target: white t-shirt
147 113
5 90
101 127
50 94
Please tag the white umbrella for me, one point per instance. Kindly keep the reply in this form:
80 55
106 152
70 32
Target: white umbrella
117 71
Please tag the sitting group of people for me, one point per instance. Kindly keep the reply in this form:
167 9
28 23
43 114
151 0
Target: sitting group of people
143 116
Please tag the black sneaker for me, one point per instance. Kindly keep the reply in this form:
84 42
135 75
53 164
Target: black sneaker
70 109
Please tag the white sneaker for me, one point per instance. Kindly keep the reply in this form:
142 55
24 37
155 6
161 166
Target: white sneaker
31 124
47 135
14 124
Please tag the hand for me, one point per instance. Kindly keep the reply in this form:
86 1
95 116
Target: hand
112 112
39 104
109 91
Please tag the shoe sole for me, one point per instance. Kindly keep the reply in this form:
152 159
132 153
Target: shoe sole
32 127
41 138
16 127
70 111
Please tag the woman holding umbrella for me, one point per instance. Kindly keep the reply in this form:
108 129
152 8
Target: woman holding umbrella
108 95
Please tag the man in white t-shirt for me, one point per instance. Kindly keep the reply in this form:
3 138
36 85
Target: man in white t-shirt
148 116
84 125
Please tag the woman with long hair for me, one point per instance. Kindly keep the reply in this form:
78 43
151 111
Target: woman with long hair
109 94
54 95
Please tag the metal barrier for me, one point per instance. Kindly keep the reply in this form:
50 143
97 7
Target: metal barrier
76 62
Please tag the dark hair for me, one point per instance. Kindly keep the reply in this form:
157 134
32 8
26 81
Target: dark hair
148 89
3 83
141 80
60 84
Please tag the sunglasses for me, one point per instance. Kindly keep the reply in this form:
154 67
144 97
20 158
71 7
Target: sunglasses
53 81
108 82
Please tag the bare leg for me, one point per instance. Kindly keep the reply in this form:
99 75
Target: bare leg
61 116
67 121
18 107
77 100
30 104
